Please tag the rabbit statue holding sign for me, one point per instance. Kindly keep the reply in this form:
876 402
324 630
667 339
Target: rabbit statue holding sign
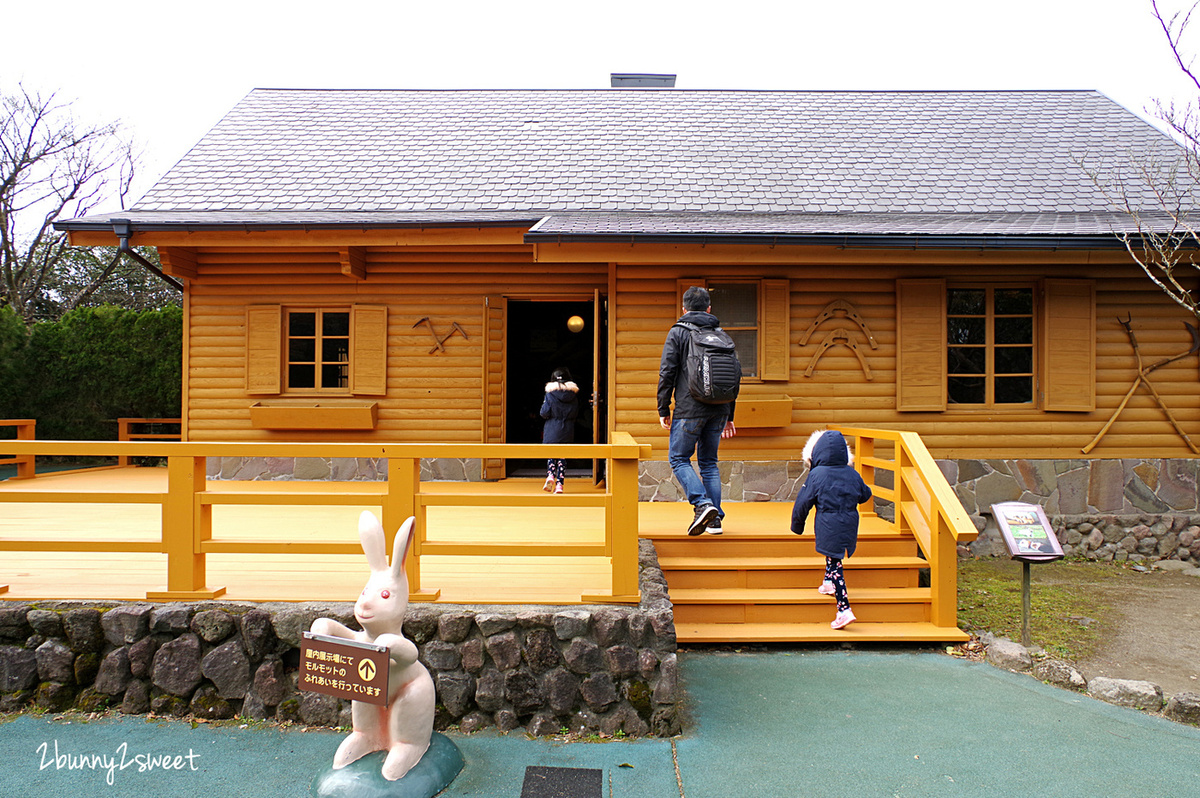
403 728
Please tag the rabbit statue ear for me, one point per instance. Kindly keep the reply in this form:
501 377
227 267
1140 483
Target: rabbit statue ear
370 532
400 547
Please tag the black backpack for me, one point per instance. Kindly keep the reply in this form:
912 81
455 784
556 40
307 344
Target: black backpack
714 373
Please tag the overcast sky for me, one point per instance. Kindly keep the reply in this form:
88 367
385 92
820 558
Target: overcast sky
170 70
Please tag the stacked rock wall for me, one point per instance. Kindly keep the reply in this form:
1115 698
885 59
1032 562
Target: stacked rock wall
604 669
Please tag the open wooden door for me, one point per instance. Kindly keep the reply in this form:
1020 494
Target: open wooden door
495 319
599 379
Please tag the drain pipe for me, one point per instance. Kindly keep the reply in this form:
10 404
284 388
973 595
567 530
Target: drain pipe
123 230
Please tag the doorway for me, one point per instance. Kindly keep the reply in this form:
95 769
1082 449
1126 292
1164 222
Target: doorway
540 337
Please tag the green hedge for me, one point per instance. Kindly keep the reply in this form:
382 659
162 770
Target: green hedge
79 374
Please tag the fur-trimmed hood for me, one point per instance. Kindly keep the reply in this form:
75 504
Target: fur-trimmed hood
829 453
551 387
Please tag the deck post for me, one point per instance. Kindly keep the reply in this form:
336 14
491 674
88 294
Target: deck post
399 503
622 527
943 574
25 464
185 525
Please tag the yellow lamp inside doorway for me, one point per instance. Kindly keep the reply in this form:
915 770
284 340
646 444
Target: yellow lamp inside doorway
575 324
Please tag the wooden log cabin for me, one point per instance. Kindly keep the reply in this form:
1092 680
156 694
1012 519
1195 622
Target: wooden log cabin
409 266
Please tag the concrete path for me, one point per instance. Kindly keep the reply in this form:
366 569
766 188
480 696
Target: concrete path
778 724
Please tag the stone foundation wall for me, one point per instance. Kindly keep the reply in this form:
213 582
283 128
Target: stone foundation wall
587 668
337 468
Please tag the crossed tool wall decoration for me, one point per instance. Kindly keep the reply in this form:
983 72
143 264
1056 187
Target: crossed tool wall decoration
438 343
841 335
1142 378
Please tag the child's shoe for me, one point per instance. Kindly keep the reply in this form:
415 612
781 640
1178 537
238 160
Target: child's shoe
843 619
826 588
714 527
558 489
549 486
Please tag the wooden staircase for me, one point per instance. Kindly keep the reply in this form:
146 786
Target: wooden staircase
757 582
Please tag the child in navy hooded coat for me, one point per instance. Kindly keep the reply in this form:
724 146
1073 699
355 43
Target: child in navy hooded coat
836 490
560 409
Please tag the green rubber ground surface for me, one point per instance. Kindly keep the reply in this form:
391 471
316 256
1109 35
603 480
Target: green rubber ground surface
780 724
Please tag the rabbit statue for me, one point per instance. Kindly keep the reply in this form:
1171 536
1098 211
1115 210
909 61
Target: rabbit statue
404 727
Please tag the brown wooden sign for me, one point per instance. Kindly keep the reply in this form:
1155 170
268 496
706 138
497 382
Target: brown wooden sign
344 668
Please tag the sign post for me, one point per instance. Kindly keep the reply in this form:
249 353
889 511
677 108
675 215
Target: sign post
344 668
1030 539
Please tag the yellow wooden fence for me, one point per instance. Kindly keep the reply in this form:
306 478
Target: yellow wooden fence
925 507
188 500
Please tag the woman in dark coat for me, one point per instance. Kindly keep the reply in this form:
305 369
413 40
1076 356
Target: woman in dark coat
836 490
560 409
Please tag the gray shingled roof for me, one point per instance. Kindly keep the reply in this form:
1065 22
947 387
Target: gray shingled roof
607 162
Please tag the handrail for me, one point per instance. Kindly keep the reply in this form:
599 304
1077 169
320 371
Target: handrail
186 533
925 507
26 431
125 432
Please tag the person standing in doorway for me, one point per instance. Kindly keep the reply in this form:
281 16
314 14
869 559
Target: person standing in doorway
697 425
560 408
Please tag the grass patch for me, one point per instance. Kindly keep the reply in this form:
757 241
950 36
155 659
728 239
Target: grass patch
1068 612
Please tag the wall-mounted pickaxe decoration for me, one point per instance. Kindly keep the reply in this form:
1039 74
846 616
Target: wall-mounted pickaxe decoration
830 311
438 343
1142 379
836 336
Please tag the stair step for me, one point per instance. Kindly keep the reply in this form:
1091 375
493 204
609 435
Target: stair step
725 546
803 563
857 632
879 595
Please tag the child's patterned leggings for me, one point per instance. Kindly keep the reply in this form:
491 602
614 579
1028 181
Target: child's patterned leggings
833 573
557 469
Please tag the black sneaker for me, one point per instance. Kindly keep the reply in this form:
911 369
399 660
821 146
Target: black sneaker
714 527
705 515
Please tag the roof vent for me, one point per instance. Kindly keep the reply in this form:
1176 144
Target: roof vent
628 80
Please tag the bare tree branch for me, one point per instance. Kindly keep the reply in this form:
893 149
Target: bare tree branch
51 167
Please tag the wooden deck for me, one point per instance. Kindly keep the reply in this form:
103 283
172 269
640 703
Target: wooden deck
129 575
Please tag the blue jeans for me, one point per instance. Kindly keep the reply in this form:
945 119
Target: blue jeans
702 436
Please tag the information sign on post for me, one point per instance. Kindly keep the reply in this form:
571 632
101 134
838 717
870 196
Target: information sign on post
1027 532
1029 538
344 668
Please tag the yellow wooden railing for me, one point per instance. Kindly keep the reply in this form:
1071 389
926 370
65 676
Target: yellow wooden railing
25 432
187 535
128 429
925 507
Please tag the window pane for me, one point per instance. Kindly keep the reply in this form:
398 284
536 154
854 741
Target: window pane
302 350
966 360
735 304
747 350
1014 301
965 390
334 376
966 331
1014 390
302 376
335 350
1014 331
966 301
1014 360
302 324
335 324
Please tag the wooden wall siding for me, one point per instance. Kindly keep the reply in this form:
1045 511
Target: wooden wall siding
838 392
429 396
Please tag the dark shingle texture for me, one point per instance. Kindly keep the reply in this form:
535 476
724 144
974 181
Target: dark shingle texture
303 153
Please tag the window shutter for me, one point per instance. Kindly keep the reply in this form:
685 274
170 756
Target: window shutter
495 321
368 358
776 329
921 345
1068 345
264 348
